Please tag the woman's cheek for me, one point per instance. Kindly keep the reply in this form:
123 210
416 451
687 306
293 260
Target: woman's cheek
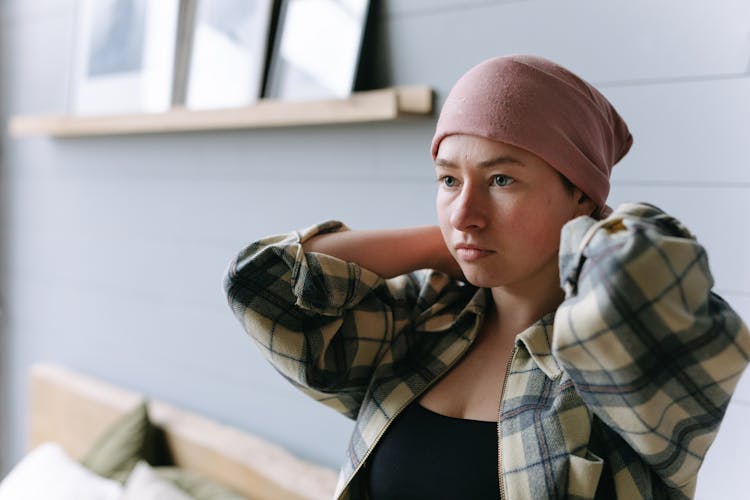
540 233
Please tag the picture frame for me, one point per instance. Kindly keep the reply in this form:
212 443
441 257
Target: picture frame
125 56
316 49
229 48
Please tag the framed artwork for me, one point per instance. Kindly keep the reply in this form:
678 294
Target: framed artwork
125 55
317 49
228 55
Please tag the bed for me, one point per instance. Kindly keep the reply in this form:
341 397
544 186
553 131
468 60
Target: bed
73 409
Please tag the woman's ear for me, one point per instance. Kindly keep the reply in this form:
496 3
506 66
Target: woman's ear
584 204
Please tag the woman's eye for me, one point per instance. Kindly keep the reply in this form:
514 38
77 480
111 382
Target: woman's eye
502 180
448 181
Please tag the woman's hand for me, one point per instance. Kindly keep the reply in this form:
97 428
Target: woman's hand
389 252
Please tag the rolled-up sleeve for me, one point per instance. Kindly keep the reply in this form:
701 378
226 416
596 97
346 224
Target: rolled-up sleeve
648 345
322 322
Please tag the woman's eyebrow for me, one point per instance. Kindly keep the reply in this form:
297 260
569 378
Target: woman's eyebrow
440 162
500 160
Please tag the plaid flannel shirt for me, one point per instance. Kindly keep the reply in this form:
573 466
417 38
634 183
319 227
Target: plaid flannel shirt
622 400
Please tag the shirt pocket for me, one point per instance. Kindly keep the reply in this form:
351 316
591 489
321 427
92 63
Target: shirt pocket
583 476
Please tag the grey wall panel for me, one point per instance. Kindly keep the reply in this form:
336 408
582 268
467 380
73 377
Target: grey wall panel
606 42
403 8
26 11
741 304
37 53
690 132
107 239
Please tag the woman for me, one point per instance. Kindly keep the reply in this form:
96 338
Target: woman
548 348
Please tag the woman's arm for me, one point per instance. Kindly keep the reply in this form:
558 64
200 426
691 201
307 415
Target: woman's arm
653 352
325 321
389 252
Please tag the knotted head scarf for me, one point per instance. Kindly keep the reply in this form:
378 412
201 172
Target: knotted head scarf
537 105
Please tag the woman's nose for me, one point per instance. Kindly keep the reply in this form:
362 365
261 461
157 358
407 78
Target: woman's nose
468 210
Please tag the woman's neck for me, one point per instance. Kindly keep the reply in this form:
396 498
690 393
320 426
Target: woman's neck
520 305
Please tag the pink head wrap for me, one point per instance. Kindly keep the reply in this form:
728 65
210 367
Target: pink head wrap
537 105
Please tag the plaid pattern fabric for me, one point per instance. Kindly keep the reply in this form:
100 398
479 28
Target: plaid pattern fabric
649 348
621 401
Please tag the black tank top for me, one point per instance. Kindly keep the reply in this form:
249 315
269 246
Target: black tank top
426 455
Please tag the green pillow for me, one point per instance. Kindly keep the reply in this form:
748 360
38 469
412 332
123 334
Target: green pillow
133 437
197 486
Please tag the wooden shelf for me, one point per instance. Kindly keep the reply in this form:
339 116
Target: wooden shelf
368 106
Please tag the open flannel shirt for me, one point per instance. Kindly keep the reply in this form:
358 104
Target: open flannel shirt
622 400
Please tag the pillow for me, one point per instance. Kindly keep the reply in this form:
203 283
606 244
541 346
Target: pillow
48 473
132 438
197 486
145 484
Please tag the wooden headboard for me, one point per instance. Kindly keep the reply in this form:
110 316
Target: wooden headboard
74 409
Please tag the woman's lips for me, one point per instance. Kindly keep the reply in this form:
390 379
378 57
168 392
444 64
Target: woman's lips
470 254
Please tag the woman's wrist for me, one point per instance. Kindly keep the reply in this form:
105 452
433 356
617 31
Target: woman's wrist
388 252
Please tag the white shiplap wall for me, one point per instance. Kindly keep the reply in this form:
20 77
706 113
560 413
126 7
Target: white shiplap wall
114 247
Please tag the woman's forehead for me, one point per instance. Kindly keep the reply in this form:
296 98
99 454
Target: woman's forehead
461 148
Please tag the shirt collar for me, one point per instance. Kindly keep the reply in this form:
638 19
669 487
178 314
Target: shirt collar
537 339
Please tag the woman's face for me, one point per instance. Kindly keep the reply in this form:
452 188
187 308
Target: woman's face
501 209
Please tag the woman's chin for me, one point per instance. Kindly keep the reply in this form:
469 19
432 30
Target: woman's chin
478 279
